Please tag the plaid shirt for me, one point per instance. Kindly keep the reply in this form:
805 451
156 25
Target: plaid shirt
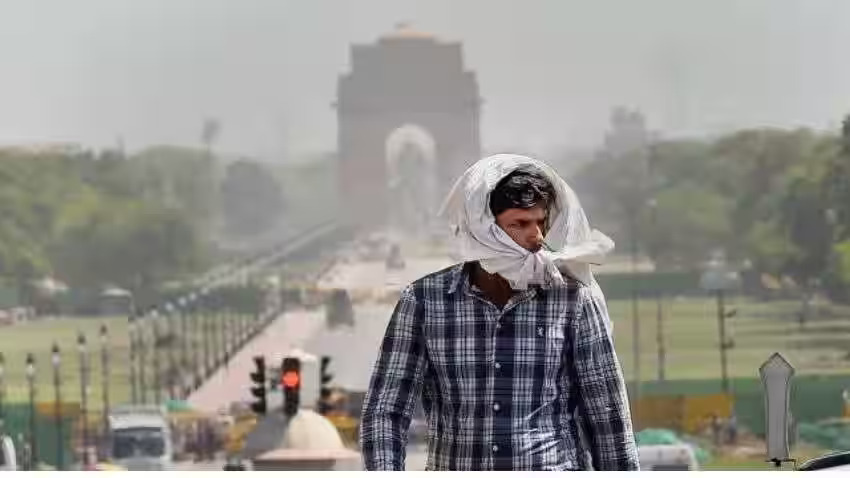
498 385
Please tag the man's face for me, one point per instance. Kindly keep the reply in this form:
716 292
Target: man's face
526 227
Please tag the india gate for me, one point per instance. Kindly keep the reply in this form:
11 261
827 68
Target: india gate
408 126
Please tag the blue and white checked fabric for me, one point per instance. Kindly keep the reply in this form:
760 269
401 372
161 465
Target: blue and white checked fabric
499 387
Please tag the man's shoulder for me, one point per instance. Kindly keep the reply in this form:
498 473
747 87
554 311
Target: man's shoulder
439 282
570 287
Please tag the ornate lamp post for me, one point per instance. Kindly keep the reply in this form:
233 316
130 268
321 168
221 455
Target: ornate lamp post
157 374
55 360
104 368
30 370
82 349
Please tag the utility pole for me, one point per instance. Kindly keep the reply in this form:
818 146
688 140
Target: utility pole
721 329
662 350
635 311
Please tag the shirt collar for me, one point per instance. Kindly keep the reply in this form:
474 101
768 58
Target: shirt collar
459 276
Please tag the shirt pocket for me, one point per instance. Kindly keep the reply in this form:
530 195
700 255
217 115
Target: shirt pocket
555 341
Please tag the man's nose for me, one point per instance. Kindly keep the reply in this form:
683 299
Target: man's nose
536 238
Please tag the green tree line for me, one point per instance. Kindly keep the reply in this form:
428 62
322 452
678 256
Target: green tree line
775 201
93 219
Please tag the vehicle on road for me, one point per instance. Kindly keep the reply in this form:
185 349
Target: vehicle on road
339 309
678 457
140 438
394 258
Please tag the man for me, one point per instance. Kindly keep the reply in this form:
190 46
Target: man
502 347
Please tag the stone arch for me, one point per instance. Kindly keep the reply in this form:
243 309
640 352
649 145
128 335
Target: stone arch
411 89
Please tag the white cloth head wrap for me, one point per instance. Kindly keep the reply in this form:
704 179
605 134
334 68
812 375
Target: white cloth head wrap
569 240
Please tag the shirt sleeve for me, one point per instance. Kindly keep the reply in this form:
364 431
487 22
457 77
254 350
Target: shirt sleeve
603 401
395 386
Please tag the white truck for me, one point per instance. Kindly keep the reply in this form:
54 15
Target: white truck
140 438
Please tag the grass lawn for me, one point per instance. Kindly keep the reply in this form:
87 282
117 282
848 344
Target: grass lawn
758 330
38 337
690 326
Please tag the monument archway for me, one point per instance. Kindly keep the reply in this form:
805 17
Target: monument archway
411 167
407 108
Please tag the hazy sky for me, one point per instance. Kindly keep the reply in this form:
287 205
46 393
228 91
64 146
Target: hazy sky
151 70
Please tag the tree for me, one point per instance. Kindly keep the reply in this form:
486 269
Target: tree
132 245
252 201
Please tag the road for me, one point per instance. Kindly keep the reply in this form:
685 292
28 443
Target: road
231 383
353 350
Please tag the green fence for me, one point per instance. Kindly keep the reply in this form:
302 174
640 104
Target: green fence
16 424
813 398
620 286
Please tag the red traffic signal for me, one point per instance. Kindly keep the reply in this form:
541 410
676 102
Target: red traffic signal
291 379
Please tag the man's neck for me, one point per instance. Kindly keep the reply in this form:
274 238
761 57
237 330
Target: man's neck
495 288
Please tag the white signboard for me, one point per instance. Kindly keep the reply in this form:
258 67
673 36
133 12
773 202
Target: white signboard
776 374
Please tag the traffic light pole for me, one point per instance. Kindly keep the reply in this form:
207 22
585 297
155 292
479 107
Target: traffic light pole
290 373
258 389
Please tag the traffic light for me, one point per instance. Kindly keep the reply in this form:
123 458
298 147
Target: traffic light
325 378
258 389
290 379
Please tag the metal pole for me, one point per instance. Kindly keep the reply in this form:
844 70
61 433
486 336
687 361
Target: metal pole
214 338
33 455
134 391
721 319
196 338
143 358
172 357
662 351
104 368
635 311
84 378
57 407
184 327
225 343
157 379
205 333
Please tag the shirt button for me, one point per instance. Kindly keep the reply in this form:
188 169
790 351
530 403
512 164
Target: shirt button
496 406
495 447
497 365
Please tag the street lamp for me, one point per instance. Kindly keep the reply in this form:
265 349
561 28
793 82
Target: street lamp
82 349
157 379
143 358
194 338
134 391
33 454
224 330
719 278
182 304
55 360
172 359
104 368
213 328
